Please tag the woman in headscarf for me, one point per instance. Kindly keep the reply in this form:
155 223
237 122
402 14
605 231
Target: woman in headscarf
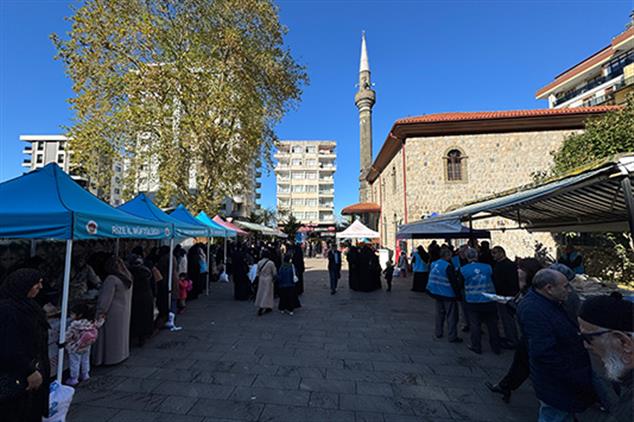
266 273
114 304
23 347
142 314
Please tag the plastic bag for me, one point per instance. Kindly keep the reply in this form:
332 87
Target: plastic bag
253 272
224 278
59 402
397 272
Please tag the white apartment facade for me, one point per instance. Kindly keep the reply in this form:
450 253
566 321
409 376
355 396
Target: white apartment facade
45 149
305 180
603 78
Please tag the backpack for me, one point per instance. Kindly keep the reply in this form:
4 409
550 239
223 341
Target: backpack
87 338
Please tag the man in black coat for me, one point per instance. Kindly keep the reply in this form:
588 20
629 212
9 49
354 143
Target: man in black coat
334 267
506 283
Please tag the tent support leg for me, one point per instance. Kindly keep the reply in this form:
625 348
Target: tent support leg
170 276
208 263
116 247
64 316
225 258
33 248
629 203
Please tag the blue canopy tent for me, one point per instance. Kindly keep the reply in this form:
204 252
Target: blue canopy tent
181 213
142 206
48 204
204 218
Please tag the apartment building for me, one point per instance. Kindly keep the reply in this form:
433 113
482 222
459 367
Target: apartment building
606 77
305 181
44 149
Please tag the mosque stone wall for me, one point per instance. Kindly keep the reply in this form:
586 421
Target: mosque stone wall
492 164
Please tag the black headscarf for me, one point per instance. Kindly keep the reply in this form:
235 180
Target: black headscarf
15 289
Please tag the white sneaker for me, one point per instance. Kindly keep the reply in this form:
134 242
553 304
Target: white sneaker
290 313
175 328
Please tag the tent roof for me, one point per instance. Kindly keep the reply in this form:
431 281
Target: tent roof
216 228
229 226
265 230
182 214
48 204
357 230
143 207
587 199
447 229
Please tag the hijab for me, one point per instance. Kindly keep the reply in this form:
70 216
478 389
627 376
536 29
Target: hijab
14 292
115 266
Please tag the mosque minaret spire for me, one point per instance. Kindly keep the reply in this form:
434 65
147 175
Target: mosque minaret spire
364 100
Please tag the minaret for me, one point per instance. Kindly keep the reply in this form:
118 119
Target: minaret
365 99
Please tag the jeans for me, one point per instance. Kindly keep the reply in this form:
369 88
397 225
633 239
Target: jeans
547 413
447 309
79 364
334 278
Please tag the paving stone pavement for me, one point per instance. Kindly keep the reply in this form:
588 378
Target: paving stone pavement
349 357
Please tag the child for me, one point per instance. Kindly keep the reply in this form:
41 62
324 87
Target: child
81 334
184 286
389 273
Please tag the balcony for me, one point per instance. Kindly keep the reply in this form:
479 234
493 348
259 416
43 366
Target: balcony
326 205
328 192
27 150
326 180
284 193
328 168
586 87
26 162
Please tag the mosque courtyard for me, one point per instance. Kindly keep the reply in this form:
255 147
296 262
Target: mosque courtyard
349 357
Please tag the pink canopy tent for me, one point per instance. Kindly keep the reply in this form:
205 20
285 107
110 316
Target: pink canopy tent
230 226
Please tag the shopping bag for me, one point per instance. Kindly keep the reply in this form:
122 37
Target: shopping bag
397 272
253 272
224 278
59 402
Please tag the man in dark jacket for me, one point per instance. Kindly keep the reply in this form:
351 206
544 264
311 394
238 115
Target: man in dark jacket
506 283
334 267
560 367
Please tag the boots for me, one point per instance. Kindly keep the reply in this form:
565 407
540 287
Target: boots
170 323
500 388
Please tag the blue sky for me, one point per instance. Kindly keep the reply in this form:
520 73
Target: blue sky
425 57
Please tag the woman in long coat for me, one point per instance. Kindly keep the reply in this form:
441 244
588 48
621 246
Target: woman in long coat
114 304
24 346
142 314
266 274
300 267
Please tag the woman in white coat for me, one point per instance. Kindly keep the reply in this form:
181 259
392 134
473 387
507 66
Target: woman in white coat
266 273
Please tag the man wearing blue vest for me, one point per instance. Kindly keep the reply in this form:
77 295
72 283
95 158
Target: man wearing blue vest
477 280
420 268
458 261
443 287
572 259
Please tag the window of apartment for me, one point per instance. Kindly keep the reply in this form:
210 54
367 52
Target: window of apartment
311 150
311 163
455 166
299 215
311 188
299 175
60 159
61 146
298 149
311 202
296 162
40 146
39 159
298 202
311 175
117 191
118 168
299 188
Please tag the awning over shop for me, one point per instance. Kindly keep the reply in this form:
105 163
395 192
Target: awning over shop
362 208
259 228
143 207
229 226
48 204
597 198
182 214
204 218
357 230
446 229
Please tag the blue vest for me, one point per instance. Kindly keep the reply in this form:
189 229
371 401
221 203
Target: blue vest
477 280
438 281
579 268
419 266
455 260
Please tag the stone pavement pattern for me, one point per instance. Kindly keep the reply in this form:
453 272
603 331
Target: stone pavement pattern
348 357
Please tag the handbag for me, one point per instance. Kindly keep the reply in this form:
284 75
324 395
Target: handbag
11 387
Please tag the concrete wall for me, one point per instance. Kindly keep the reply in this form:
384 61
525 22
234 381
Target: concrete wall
493 163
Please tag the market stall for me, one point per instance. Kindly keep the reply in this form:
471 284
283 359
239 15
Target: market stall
48 204
204 218
446 229
357 230
260 228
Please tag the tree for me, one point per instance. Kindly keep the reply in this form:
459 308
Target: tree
265 216
291 226
177 90
613 133
610 134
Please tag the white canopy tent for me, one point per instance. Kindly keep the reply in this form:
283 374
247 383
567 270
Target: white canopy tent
358 230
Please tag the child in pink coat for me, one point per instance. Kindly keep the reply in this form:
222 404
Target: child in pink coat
81 334
184 286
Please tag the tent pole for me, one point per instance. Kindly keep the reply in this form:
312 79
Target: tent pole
225 259
64 316
208 263
169 276
33 248
629 203
116 247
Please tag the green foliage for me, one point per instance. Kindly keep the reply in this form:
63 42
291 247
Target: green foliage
265 216
291 226
610 134
177 90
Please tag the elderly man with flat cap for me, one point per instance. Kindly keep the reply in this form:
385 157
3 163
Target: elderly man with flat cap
606 325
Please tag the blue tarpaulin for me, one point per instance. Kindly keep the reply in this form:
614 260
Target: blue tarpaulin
204 218
181 213
48 204
143 207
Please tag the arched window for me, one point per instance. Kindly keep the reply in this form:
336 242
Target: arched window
455 166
